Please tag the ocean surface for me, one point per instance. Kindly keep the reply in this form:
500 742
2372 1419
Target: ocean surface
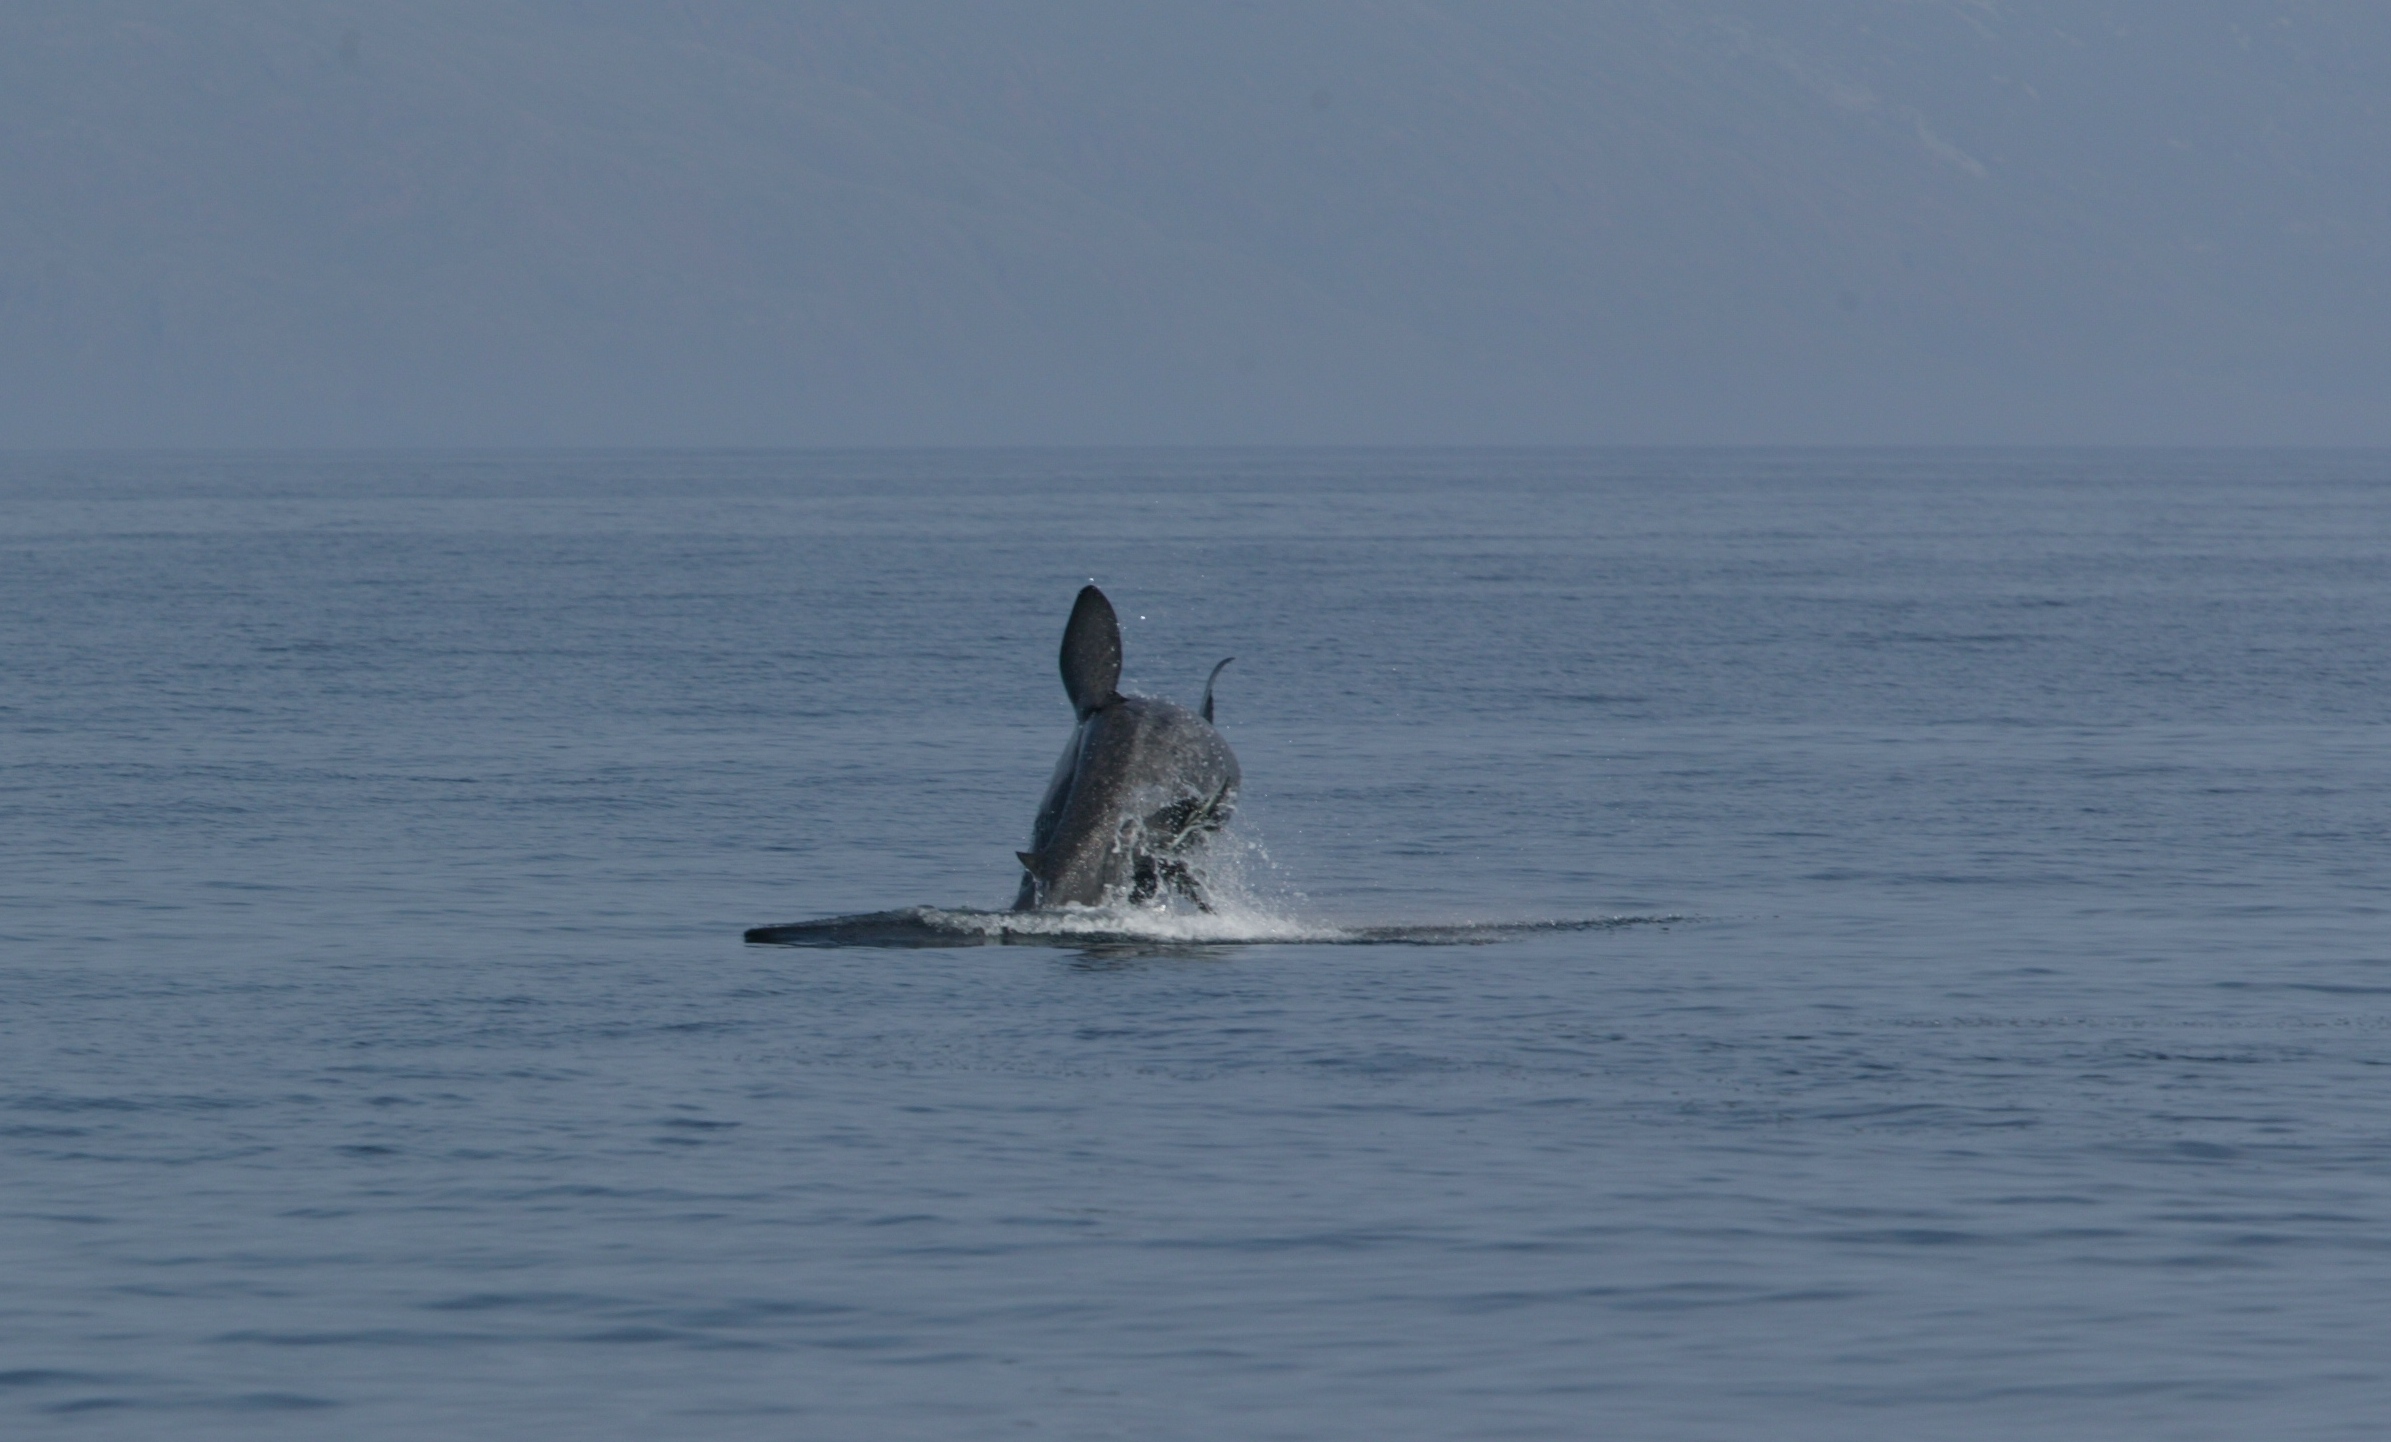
1970 1017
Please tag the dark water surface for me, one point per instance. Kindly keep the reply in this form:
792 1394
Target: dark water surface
380 1057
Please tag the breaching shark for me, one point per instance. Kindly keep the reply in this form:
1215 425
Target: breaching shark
1142 787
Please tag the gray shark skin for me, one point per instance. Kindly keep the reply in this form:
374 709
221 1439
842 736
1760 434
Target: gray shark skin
1142 786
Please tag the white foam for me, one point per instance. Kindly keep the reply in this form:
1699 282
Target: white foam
1245 902
1223 925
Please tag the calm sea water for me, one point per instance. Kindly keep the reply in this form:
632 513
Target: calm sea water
379 1057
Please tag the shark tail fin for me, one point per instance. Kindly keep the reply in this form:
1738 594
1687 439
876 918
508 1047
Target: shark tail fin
1208 680
1092 652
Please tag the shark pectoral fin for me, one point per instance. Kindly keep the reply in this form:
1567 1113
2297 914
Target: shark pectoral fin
1029 861
1092 653
1208 680
1216 811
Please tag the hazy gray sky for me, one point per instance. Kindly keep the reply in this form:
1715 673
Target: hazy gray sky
294 222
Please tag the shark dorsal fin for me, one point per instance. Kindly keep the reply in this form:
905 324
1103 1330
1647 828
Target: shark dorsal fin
1208 680
1092 653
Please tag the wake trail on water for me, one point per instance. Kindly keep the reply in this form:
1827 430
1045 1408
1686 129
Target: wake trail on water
1075 926
1247 905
